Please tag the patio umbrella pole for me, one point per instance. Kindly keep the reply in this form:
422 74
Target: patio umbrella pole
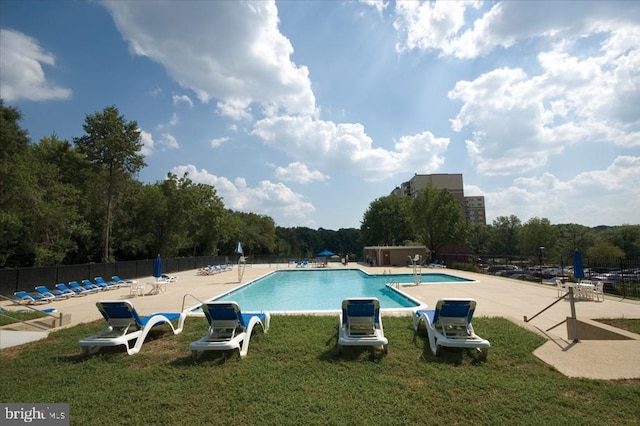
572 303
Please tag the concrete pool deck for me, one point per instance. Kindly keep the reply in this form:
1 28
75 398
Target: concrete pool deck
496 297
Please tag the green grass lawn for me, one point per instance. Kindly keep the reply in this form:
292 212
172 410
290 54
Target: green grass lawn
294 375
12 317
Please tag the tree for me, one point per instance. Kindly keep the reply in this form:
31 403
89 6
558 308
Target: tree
112 146
257 233
17 189
207 219
572 236
387 221
350 242
437 219
536 233
505 235
627 237
603 250
479 238
139 227
56 222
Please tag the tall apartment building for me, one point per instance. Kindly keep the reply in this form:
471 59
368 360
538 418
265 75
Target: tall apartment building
472 208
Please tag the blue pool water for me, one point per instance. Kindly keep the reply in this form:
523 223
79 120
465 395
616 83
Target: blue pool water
318 290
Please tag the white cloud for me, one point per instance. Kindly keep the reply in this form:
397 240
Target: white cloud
230 51
471 28
330 146
149 146
21 69
518 121
168 140
573 200
379 5
273 199
236 109
177 99
216 142
147 143
299 172
429 25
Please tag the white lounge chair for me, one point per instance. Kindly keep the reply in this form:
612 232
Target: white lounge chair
361 324
56 294
110 284
23 297
124 325
229 328
449 324
78 291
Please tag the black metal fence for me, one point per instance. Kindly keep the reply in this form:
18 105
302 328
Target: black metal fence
621 276
17 279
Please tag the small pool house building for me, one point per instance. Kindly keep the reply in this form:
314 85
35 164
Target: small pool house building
394 255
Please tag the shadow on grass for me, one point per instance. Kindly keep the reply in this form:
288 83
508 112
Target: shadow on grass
208 357
447 355
349 353
116 350
219 357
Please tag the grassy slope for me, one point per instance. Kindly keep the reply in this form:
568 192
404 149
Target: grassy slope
294 375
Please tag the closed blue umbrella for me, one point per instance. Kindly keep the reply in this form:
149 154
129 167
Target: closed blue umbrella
157 267
578 270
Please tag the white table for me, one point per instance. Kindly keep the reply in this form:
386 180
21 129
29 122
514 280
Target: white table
158 287
585 290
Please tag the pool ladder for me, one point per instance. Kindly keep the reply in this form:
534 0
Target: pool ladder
394 283
417 274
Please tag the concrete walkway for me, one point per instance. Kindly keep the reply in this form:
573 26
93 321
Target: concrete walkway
496 297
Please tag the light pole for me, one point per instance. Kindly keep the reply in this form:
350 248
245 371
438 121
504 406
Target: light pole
540 254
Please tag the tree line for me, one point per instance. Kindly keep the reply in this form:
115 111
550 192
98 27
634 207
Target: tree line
79 201
434 219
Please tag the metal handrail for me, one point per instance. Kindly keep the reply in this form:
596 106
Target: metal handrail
395 283
573 313
56 317
184 298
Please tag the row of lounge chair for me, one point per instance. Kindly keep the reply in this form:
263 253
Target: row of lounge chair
360 324
229 328
449 324
43 294
214 269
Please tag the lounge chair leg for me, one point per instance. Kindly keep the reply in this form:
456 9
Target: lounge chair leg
484 353
90 350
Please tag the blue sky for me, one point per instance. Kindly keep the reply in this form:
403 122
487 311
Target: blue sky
308 111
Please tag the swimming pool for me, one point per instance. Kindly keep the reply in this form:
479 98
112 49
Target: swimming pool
319 290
